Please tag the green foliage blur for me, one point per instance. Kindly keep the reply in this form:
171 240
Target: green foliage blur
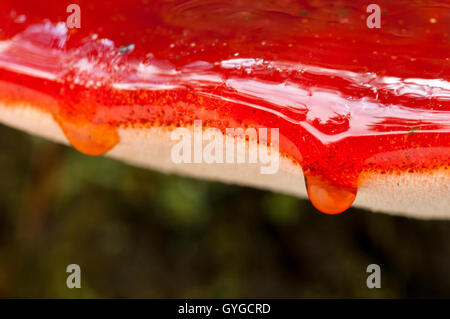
138 233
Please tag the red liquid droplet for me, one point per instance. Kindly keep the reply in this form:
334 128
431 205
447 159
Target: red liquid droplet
329 198
89 138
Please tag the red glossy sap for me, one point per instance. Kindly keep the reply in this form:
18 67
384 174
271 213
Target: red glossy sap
347 99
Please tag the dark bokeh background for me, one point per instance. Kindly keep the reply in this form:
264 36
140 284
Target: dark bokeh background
137 233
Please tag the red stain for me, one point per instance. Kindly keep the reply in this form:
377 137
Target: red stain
345 98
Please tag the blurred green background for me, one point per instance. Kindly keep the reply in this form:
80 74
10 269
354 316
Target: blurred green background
137 233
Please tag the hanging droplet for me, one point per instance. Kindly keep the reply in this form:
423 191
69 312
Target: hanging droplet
88 138
329 198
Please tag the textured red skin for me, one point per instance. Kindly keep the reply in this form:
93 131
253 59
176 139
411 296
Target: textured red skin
345 98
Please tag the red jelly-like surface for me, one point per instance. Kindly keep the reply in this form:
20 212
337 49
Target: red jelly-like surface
346 99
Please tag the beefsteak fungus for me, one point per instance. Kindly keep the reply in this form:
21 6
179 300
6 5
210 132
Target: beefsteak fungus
359 109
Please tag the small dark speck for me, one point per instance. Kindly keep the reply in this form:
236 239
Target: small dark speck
126 49
304 13
413 130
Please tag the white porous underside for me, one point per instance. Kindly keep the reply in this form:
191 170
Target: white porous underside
421 195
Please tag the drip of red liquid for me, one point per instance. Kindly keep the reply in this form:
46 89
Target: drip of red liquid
329 198
346 99
90 139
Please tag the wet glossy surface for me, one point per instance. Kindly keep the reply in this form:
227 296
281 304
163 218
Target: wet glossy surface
346 98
